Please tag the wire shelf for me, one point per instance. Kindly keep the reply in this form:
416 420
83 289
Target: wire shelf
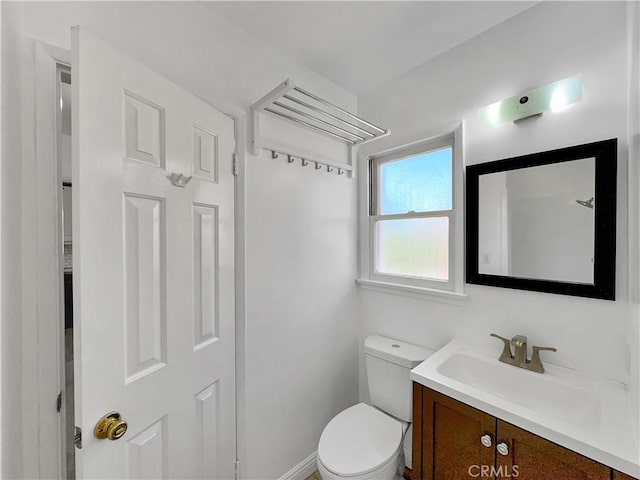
294 104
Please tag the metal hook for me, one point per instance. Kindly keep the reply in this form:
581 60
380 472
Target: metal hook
329 168
274 154
340 171
304 162
290 159
318 166
179 180
586 203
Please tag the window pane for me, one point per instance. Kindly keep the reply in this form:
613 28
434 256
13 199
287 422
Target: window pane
416 247
421 183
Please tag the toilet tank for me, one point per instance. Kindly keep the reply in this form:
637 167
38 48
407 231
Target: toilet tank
388 363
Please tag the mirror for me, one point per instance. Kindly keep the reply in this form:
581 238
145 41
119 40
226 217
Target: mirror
545 222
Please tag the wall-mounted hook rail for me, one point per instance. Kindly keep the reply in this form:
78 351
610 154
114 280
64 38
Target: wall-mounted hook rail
332 166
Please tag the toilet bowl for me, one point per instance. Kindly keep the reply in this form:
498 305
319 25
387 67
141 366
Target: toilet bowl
367 442
360 443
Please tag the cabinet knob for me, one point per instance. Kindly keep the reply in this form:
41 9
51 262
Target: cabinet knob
485 440
503 449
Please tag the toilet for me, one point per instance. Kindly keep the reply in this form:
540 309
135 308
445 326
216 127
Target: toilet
367 442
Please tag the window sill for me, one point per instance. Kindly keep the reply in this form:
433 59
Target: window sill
444 296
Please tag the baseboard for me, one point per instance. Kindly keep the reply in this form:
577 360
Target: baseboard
303 469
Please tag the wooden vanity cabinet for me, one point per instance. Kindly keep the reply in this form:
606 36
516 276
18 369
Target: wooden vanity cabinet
448 444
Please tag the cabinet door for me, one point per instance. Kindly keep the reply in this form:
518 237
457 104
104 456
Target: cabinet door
451 443
530 457
621 476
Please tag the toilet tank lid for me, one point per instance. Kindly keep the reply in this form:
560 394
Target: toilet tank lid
400 353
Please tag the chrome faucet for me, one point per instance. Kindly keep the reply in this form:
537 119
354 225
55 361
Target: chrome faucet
519 357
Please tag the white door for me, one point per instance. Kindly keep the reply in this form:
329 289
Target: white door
153 271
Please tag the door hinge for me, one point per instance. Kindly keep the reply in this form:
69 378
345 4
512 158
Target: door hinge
59 402
235 164
237 473
77 441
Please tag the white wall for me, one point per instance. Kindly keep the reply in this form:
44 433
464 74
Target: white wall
297 353
302 338
11 360
548 42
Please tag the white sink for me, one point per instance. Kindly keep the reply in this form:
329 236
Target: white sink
539 392
589 416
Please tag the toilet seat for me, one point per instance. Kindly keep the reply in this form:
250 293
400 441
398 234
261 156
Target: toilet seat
359 440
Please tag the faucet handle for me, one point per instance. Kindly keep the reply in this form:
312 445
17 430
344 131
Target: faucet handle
505 340
506 351
540 349
535 362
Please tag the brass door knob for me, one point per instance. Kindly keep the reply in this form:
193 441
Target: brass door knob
110 426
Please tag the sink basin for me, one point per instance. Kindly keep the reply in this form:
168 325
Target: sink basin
538 392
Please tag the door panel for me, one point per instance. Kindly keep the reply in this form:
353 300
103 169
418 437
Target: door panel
154 277
144 128
205 154
144 296
206 427
205 253
147 452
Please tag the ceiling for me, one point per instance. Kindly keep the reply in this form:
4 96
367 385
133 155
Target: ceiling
361 45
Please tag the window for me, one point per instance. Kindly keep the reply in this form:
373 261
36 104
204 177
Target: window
414 225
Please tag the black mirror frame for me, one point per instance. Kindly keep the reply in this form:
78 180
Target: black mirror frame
604 286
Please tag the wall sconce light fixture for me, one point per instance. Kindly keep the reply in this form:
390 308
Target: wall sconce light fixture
554 97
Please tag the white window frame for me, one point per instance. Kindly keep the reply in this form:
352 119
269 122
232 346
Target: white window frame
453 287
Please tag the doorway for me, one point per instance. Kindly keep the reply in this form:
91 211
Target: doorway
63 141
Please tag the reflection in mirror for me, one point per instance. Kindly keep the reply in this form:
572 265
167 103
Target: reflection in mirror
545 221
532 223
